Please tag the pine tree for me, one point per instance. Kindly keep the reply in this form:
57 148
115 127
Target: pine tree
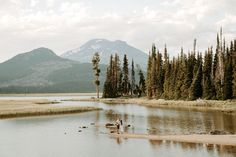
208 87
160 76
142 85
189 69
173 78
133 85
228 88
180 75
167 74
107 86
234 68
120 85
219 68
116 73
96 69
153 81
148 78
196 86
126 83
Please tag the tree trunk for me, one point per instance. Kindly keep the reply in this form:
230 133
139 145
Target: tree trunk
97 91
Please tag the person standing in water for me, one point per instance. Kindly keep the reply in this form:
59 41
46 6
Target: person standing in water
118 125
121 126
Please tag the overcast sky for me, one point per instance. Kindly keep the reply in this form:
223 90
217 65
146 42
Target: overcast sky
62 25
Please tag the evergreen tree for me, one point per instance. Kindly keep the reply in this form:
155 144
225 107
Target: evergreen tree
234 68
96 69
107 86
228 88
126 83
133 85
189 68
109 90
167 74
180 75
196 86
148 78
160 76
208 87
173 78
120 85
153 81
219 68
116 73
142 85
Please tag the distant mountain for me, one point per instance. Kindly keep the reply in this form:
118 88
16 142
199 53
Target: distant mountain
41 70
105 48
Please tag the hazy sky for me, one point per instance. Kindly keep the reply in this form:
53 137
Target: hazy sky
62 25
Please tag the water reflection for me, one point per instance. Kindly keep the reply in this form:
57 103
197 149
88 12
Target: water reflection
213 150
39 135
188 122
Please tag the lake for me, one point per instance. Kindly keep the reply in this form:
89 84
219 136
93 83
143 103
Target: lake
59 136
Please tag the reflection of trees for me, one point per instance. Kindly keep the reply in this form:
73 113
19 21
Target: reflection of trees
223 150
111 115
219 121
118 140
187 145
97 119
153 122
155 142
169 121
229 122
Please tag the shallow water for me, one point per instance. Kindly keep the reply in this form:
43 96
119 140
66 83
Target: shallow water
58 136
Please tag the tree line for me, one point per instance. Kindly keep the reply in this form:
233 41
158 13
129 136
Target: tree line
189 76
120 81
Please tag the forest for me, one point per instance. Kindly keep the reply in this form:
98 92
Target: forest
209 75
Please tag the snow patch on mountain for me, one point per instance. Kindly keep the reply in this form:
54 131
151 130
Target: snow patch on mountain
105 48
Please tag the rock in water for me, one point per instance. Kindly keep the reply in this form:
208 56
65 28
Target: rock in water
217 132
109 125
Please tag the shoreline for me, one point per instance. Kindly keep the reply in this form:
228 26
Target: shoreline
226 140
46 94
38 107
228 106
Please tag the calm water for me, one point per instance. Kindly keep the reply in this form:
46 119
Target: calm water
58 136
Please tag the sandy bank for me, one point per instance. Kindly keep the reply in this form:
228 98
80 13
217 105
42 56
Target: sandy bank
229 140
225 106
22 108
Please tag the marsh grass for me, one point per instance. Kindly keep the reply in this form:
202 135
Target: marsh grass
224 106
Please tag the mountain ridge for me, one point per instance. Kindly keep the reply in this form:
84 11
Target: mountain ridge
41 70
105 48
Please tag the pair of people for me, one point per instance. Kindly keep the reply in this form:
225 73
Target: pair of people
119 125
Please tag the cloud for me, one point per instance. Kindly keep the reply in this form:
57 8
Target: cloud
63 25
50 3
33 3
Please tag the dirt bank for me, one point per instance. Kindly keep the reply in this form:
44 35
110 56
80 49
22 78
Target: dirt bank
22 108
229 140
